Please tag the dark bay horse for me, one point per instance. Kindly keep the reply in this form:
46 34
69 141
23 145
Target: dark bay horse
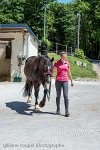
37 70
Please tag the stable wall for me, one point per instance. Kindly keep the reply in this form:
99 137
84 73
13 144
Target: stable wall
28 48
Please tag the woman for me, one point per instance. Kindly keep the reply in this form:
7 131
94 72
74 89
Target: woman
63 73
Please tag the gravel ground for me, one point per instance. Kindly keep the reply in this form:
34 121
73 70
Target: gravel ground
21 128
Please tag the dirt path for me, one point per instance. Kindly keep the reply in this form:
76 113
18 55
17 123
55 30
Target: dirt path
96 67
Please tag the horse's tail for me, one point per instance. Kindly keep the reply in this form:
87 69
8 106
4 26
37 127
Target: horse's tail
26 89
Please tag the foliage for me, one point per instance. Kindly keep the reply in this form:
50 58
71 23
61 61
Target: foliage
12 11
34 15
46 42
63 25
79 53
90 26
61 22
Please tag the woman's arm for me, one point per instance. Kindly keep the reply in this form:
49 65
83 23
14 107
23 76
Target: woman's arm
70 76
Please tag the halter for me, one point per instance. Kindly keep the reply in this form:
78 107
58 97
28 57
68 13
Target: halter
46 67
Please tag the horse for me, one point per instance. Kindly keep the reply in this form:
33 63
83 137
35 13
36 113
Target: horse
37 71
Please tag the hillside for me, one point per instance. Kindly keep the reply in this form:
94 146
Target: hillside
78 71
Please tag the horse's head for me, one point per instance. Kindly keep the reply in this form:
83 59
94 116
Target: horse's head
48 65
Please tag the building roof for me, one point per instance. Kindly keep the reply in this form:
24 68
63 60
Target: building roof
19 27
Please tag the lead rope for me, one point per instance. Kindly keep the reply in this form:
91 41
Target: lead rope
49 89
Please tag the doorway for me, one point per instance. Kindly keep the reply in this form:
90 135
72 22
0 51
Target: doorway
5 59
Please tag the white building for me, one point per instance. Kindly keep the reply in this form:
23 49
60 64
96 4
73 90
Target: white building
17 42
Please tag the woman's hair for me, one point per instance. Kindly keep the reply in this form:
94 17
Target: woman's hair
63 52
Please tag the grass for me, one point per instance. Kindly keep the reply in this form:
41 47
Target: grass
77 71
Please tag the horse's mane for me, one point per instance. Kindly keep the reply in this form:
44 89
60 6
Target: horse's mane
40 63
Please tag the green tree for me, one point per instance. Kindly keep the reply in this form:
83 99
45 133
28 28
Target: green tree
12 11
34 15
63 29
89 31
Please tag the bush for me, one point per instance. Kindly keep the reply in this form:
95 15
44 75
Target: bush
80 53
47 43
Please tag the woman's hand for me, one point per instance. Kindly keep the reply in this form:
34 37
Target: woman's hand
72 84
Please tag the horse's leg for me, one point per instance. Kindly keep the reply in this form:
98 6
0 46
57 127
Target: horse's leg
42 103
36 93
30 87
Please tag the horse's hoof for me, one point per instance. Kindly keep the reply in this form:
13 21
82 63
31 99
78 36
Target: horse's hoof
28 101
37 108
42 103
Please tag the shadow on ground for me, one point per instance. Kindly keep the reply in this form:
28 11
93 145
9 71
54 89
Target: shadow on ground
24 108
20 107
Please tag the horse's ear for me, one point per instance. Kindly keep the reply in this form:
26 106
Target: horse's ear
52 59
